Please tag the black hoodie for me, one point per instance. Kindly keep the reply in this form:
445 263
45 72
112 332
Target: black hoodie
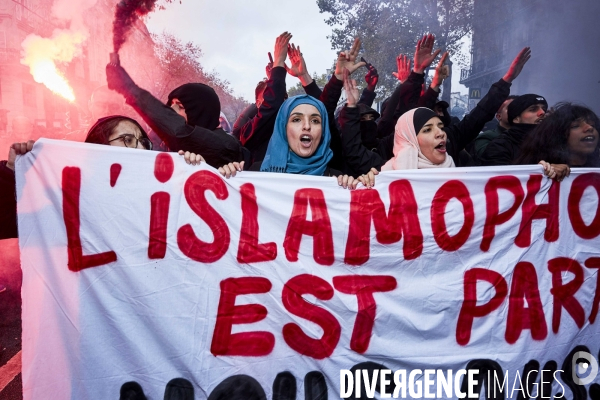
198 135
505 148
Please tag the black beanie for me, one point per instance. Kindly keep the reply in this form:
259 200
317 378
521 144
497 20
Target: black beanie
522 103
201 104
421 116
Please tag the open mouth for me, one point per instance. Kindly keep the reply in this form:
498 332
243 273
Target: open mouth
589 139
441 147
306 140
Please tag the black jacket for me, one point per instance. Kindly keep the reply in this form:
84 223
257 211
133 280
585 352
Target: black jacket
256 134
8 203
505 148
216 146
246 116
360 160
404 98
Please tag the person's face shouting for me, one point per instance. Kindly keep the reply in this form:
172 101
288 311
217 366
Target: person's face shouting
304 130
432 141
583 140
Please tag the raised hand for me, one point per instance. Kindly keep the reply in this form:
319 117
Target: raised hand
281 49
351 90
517 65
18 149
298 68
372 77
403 64
347 59
441 72
423 53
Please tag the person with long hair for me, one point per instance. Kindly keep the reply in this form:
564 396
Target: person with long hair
567 137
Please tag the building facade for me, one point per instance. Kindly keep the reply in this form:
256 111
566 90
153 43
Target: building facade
564 45
24 102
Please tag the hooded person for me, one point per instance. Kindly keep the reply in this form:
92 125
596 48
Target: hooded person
524 113
189 121
368 125
417 139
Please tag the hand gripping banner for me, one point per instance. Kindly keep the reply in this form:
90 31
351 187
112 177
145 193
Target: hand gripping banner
435 284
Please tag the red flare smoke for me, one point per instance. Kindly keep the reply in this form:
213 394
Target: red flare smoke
126 13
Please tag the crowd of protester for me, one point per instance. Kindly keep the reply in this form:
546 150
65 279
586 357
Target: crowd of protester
313 134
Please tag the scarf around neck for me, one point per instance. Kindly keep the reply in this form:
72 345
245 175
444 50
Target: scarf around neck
407 153
279 157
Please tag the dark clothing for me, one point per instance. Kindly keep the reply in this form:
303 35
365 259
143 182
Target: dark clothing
312 89
367 97
429 98
244 118
330 97
8 203
504 149
255 135
215 145
201 103
360 160
478 146
404 98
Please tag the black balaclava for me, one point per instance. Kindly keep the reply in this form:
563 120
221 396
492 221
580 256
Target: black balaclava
201 103
368 129
421 116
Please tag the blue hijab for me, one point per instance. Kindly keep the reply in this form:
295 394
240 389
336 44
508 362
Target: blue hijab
280 158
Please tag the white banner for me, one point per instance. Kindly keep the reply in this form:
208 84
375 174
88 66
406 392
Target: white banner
139 267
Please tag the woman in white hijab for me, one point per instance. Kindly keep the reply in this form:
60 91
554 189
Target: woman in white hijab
420 139
419 142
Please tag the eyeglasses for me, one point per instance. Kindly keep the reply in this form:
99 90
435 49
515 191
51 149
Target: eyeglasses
131 141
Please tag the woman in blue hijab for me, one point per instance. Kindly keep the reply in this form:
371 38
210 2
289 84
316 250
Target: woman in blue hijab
299 144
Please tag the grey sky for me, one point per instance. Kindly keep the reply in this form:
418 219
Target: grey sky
235 35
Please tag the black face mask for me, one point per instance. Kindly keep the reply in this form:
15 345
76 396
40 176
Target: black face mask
368 133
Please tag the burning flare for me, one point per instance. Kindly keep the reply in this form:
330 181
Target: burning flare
41 54
44 71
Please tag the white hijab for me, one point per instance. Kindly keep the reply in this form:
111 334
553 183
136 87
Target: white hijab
407 153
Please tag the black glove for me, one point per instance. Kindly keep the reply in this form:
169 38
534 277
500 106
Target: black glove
118 79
